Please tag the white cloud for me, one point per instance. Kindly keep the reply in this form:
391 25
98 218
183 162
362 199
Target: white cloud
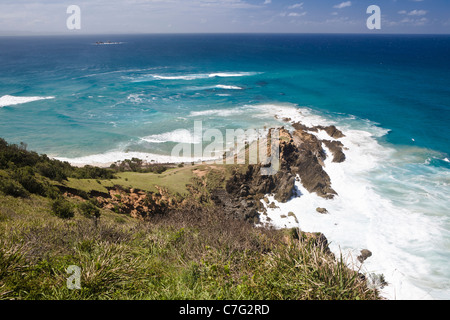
295 14
414 12
417 13
343 5
415 22
296 6
267 1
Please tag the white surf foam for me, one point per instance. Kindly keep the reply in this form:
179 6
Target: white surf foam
179 136
260 111
107 158
360 217
221 86
195 76
232 74
8 100
135 97
217 112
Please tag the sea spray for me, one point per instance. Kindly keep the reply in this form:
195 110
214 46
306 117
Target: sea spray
361 217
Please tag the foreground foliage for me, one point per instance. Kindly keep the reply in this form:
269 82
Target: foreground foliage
191 254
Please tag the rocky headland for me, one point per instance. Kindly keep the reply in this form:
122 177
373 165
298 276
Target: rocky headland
302 156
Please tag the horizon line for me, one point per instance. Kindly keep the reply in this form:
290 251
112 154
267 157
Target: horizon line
71 34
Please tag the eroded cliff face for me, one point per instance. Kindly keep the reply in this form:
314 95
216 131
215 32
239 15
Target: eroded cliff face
301 154
137 203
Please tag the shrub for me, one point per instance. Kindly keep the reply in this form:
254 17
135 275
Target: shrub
51 171
90 172
62 208
89 209
25 176
13 188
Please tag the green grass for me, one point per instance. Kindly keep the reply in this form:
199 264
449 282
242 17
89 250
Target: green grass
87 184
190 254
175 180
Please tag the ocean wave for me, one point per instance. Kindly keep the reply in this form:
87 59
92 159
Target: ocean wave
178 136
136 98
221 86
217 112
194 76
8 100
273 112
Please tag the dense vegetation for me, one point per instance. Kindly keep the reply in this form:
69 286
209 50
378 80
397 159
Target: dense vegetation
137 165
15 157
193 252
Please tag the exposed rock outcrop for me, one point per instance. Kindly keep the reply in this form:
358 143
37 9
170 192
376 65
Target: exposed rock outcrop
332 131
336 149
322 210
301 155
302 158
365 254
237 207
316 239
137 203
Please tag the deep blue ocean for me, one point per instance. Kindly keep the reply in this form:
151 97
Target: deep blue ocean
82 102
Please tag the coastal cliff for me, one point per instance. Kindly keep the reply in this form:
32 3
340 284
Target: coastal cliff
302 157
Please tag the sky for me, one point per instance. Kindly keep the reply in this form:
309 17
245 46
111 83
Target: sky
28 17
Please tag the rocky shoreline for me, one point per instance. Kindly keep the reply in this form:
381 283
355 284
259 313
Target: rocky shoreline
302 158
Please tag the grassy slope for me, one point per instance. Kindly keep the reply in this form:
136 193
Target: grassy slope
176 257
175 180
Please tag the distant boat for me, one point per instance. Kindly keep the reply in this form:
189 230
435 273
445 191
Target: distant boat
107 42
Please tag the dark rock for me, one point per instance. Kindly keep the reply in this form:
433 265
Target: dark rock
322 210
302 154
301 159
285 188
333 132
300 126
272 205
306 155
316 239
364 255
243 192
336 149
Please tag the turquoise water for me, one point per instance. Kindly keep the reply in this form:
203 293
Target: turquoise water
87 103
